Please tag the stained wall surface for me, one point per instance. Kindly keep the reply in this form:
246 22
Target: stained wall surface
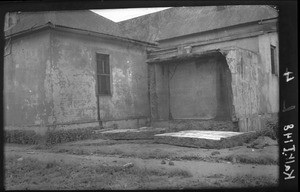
50 79
251 86
25 99
74 79
193 90
255 88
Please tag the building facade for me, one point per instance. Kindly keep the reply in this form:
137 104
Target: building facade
78 69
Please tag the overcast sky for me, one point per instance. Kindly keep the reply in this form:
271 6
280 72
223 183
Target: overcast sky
117 15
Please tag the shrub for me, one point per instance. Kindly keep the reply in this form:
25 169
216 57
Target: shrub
62 136
270 130
22 137
51 137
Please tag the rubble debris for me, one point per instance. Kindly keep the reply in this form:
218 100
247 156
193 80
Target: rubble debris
262 142
215 153
128 165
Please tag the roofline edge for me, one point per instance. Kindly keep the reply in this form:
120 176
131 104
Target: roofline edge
79 31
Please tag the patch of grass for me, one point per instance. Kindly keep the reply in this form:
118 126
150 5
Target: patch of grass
215 176
172 173
22 137
63 136
270 130
101 143
252 181
73 151
193 158
32 174
42 146
262 160
50 138
155 155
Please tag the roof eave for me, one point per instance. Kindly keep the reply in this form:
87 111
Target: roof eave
79 31
261 21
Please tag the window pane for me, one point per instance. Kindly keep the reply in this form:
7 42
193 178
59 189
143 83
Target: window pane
99 57
99 84
99 67
108 84
103 73
103 85
106 66
273 59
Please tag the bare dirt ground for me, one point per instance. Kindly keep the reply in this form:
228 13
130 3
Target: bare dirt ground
142 164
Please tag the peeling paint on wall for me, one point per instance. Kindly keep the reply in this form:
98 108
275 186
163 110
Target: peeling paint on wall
129 97
24 83
73 80
51 79
73 83
248 87
153 94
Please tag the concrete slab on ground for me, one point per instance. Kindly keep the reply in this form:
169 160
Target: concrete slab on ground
133 134
204 139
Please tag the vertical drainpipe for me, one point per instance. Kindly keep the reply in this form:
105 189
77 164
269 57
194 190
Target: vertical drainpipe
98 110
97 95
149 95
169 91
169 96
51 66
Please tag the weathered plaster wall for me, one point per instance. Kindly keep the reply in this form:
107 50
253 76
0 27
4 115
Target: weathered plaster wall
252 87
190 20
25 100
215 37
74 79
271 86
193 89
244 67
152 92
162 75
71 81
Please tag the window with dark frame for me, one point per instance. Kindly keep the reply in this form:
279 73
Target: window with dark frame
103 74
273 59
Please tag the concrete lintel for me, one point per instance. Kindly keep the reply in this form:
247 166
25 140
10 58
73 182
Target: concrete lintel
225 50
182 57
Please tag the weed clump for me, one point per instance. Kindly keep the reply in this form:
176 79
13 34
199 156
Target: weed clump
270 130
32 173
22 137
51 137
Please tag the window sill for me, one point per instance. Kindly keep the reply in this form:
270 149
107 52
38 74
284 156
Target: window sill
103 95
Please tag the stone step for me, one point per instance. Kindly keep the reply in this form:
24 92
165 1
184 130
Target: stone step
194 124
204 139
132 134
